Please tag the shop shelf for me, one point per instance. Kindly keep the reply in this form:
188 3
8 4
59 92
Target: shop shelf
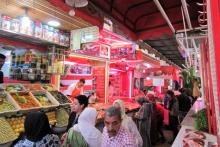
27 38
52 101
33 87
27 101
48 87
60 97
12 87
6 97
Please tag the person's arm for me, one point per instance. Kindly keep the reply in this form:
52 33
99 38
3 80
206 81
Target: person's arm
82 91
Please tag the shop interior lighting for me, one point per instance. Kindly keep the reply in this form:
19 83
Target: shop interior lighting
148 78
144 71
147 65
114 69
113 72
53 23
69 63
25 20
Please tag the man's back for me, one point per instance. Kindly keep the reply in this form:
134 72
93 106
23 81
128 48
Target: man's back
184 103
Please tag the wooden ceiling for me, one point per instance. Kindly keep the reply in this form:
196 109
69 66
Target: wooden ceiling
43 11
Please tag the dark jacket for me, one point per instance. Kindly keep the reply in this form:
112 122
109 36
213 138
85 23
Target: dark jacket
72 120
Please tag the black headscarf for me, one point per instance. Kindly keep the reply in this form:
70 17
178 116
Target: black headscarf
36 126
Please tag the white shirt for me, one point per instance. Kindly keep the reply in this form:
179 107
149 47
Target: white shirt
71 88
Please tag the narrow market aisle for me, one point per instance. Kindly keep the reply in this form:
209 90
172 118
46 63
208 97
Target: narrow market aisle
168 136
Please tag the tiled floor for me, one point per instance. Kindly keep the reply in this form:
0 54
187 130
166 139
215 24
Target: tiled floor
168 136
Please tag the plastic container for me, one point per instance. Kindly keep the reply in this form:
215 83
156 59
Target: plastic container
56 36
60 97
26 26
13 87
15 23
50 34
45 32
33 87
6 22
38 29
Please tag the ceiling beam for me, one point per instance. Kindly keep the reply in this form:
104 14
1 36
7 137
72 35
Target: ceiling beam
134 6
159 39
158 26
164 15
111 5
186 12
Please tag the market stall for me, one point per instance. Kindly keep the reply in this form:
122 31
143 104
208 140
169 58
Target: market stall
34 43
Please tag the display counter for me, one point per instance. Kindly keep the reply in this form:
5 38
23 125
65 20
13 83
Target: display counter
188 130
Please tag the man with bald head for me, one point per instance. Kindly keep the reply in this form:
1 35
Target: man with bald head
114 135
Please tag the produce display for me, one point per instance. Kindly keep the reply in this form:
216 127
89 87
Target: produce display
60 97
43 99
5 105
51 117
17 124
14 88
6 132
62 117
25 100
48 87
33 87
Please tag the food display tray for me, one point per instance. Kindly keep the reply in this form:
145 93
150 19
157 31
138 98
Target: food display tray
54 102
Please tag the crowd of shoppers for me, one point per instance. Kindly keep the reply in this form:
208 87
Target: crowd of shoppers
144 129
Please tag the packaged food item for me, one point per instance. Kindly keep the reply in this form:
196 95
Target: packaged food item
56 36
50 33
67 39
15 23
26 26
38 30
45 32
62 38
6 22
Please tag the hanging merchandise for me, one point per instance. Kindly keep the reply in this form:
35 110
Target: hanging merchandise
50 33
15 25
56 36
56 58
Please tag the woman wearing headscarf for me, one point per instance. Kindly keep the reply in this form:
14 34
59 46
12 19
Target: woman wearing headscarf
128 123
86 127
38 132
144 117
